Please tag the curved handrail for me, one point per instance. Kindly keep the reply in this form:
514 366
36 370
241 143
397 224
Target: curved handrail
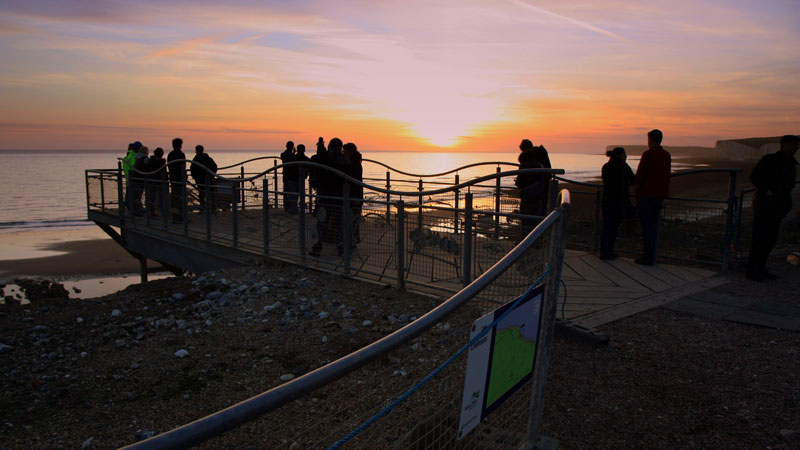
415 175
677 173
354 181
217 423
249 160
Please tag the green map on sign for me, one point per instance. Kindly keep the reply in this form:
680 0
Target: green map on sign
512 360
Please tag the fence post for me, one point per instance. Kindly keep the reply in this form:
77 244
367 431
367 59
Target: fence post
165 197
244 192
551 202
388 199
265 214
275 177
301 215
419 210
346 225
102 192
497 205
401 244
558 237
207 206
729 218
467 271
147 211
455 213
185 202
235 213
598 198
120 195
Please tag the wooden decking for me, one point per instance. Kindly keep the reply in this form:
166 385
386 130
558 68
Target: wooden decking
599 292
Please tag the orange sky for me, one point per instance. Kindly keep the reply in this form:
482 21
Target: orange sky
396 75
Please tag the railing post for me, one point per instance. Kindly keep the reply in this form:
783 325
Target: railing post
558 237
401 244
346 227
598 198
265 214
553 200
207 206
497 205
185 202
388 199
727 242
235 213
467 264
165 198
102 192
275 177
244 193
455 213
419 210
147 211
301 215
120 195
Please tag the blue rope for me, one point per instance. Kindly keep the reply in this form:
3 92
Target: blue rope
444 365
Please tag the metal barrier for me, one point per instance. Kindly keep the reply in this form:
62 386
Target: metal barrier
699 229
789 231
429 418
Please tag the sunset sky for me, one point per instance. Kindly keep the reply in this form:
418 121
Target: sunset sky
446 75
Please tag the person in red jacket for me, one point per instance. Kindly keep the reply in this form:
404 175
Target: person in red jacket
652 187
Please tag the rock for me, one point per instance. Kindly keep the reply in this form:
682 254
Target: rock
181 353
324 339
790 435
39 328
323 315
79 320
272 306
116 313
214 295
5 348
119 343
84 354
87 443
144 434
181 324
178 296
287 377
366 323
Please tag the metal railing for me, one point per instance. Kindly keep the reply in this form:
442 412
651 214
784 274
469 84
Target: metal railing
429 417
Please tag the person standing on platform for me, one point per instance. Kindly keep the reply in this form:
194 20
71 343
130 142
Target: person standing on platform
177 178
356 190
616 201
774 178
330 188
154 194
289 180
200 175
139 179
652 187
127 164
531 187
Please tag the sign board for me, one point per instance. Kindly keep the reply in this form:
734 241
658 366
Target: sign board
501 361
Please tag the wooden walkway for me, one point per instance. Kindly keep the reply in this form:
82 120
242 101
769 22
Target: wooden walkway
599 292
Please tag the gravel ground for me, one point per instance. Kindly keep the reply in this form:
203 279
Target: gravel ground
107 372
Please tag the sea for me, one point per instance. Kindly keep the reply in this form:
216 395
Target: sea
45 190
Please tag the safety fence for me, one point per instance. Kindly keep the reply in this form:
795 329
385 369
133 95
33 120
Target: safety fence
416 370
789 232
439 235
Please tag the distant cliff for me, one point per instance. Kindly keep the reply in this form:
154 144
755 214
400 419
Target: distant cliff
746 149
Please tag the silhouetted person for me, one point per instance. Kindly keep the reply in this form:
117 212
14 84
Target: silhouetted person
532 187
652 187
773 177
617 178
356 190
318 158
155 190
138 179
290 186
540 153
202 177
177 179
329 206
127 165
321 145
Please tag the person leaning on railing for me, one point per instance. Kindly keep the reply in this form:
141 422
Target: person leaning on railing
774 178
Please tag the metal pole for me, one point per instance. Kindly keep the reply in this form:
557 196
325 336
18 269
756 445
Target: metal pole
729 218
143 269
165 198
401 244
497 205
265 214
419 211
207 206
467 271
455 213
147 212
302 216
551 202
120 196
275 176
244 194
235 214
346 231
102 193
185 202
388 198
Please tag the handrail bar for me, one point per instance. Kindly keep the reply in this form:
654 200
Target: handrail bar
217 423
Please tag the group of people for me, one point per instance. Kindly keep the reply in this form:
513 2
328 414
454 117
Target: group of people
773 177
146 175
329 187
